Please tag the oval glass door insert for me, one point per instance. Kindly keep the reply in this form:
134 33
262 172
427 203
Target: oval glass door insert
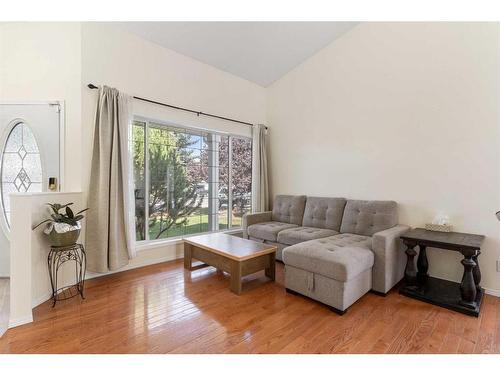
21 169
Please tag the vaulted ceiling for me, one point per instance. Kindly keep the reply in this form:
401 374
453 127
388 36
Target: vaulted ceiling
261 52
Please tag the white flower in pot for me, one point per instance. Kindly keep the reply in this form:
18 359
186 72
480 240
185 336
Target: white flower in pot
63 229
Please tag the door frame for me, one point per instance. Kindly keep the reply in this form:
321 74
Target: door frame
62 137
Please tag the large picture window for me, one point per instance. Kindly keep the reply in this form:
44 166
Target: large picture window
188 181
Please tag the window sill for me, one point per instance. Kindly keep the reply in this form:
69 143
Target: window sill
154 244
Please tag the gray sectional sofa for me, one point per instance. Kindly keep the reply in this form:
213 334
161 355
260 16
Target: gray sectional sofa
335 250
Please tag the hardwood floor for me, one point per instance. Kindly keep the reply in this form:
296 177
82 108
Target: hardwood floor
164 309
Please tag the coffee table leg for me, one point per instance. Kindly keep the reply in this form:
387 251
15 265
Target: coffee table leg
188 256
271 270
236 277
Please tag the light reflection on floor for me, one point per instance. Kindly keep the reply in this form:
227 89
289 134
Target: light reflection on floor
155 300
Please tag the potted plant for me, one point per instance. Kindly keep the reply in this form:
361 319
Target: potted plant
63 228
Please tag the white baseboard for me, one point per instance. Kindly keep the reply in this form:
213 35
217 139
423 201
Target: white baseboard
41 299
20 321
91 275
492 292
173 256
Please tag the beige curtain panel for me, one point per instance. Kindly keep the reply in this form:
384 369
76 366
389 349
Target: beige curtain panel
109 230
260 184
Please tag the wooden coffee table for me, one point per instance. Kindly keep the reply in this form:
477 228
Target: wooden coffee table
237 256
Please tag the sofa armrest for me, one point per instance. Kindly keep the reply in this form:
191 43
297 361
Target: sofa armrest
390 258
250 219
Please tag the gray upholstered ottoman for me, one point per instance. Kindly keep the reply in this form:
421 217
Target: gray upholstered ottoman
336 270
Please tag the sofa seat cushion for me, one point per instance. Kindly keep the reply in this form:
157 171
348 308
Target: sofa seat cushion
268 230
332 257
297 235
348 239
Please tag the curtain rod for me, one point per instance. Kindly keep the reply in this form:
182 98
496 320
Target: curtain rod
198 113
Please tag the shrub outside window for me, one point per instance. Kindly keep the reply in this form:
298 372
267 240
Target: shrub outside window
188 181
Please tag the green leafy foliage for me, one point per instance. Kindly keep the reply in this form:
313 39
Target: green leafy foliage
173 190
178 179
68 217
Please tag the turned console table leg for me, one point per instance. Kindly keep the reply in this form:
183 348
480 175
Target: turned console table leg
422 265
476 272
410 270
468 287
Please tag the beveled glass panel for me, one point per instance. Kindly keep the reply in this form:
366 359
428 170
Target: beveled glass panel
33 167
11 165
15 140
29 141
8 188
21 169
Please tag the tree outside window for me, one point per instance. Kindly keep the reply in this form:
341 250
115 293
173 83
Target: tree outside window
174 199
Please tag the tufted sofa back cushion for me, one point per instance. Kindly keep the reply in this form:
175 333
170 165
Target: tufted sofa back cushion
289 208
324 213
368 217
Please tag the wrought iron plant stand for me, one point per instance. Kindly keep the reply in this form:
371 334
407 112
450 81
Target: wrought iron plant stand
58 255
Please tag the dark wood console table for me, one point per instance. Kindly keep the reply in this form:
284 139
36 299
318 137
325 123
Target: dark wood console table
464 297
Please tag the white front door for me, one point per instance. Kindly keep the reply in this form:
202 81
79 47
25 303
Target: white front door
29 156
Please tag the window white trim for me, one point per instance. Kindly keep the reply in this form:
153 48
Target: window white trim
147 178
155 244
147 243
141 118
229 182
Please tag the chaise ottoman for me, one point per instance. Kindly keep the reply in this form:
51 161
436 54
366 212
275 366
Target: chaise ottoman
336 270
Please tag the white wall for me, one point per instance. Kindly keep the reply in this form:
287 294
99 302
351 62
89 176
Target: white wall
45 61
119 59
388 111
55 61
42 61
402 111
30 282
